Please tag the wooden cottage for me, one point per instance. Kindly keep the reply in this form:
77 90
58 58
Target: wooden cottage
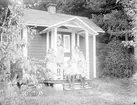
73 30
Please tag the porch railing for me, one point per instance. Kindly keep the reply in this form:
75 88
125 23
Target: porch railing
60 73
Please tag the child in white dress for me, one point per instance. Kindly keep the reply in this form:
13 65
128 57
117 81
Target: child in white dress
51 63
82 73
69 72
75 59
82 70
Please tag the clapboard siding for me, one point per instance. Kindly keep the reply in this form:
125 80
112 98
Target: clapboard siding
37 47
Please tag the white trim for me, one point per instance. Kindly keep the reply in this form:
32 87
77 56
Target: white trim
25 38
81 32
87 51
72 41
60 23
92 33
64 30
86 25
73 26
55 40
77 39
57 24
68 44
47 41
52 39
94 57
32 24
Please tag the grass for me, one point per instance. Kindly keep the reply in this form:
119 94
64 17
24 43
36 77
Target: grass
104 92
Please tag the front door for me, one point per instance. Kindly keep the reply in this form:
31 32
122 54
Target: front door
66 39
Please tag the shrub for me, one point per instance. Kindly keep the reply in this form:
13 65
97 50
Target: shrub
119 62
33 75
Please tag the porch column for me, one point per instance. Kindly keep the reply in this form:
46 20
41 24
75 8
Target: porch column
55 40
73 41
77 39
55 48
94 56
87 50
47 41
25 38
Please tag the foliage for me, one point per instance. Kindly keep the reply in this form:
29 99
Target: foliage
36 71
109 15
11 42
33 77
12 62
119 62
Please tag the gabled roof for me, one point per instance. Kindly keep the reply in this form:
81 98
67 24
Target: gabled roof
46 19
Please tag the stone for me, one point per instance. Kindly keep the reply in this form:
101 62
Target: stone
58 87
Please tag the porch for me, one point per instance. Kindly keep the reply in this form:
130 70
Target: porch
72 32
60 85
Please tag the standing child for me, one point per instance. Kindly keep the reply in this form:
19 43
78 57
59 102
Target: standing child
51 64
75 59
60 57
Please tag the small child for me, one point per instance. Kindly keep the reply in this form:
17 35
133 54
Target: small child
82 73
69 74
51 63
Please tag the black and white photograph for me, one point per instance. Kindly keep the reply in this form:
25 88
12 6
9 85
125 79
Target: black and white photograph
68 52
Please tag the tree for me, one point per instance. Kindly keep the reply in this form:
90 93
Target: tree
119 62
11 43
109 15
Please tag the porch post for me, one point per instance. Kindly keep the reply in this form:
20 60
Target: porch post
94 57
47 41
73 41
25 38
77 39
55 40
55 47
87 50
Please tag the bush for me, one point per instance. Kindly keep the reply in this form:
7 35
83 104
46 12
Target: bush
119 62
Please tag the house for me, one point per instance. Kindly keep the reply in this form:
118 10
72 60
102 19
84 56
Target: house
73 30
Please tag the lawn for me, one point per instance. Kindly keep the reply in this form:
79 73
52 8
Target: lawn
104 92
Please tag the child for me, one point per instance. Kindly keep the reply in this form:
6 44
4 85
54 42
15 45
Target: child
69 74
82 73
51 63
75 59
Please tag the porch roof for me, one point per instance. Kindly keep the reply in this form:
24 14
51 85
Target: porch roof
46 19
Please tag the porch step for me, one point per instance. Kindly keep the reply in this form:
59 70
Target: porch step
61 81
69 89
77 86
64 84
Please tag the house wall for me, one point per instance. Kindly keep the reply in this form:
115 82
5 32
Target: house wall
37 47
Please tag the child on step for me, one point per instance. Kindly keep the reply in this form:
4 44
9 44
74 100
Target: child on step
82 73
82 70
69 72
